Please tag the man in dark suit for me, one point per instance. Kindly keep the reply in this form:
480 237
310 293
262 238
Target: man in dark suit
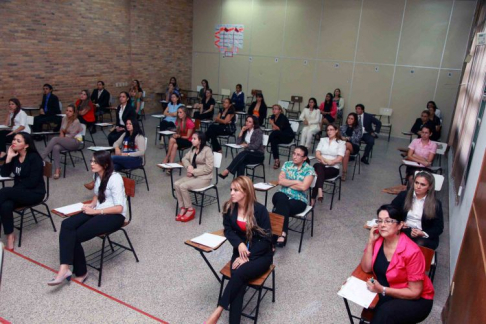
124 112
48 110
101 98
367 121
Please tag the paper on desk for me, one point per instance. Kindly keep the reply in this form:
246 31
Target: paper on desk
103 124
4 127
66 210
209 240
6 178
167 132
414 164
236 146
263 185
100 148
170 165
158 116
355 290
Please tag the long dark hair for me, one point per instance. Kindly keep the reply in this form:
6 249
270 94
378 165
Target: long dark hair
139 88
260 95
430 201
84 103
136 130
202 139
103 158
207 85
28 140
175 83
316 106
328 105
18 106
355 123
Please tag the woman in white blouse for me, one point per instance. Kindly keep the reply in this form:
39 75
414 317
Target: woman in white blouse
105 214
310 117
17 120
329 153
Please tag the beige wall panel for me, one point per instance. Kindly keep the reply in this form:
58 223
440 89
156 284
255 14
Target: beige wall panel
410 94
445 98
234 70
207 14
328 78
268 26
424 31
239 12
296 79
302 28
379 32
339 29
265 76
370 88
458 34
205 66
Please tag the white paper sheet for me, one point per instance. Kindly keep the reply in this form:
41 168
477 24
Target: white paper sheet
355 290
100 148
209 240
167 132
103 124
236 146
6 178
70 209
170 165
4 127
412 163
158 116
263 185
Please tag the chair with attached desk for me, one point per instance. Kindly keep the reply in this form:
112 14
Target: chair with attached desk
386 112
292 111
29 215
80 149
43 134
138 178
258 284
251 168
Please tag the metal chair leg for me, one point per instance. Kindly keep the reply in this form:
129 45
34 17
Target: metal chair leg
202 207
101 260
130 244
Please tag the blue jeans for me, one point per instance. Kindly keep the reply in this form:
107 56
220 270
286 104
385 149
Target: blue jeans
126 162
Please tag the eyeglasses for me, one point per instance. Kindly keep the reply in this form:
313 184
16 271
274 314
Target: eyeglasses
387 221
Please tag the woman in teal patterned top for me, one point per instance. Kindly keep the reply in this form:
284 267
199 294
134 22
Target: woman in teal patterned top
295 178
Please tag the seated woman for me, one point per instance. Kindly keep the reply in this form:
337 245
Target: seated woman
123 112
138 89
328 110
310 117
424 220
199 163
421 122
86 111
282 133
135 102
422 150
206 108
224 124
181 139
436 122
68 140
104 214
339 101
175 86
132 143
295 178
170 113
29 189
431 104
247 227
330 153
17 120
405 293
251 138
202 93
352 134
258 108
238 98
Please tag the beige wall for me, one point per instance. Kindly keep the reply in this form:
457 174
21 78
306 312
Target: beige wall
367 48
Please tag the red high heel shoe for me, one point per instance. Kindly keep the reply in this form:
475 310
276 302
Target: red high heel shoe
181 214
190 217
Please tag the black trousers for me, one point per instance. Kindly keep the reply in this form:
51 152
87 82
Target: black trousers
114 136
402 311
4 139
283 205
203 116
370 141
81 228
276 138
243 159
44 119
212 134
11 198
323 173
235 289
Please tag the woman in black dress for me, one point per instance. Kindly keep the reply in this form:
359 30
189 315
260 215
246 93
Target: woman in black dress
282 132
224 124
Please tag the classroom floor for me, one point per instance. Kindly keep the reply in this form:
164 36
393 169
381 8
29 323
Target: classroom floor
172 283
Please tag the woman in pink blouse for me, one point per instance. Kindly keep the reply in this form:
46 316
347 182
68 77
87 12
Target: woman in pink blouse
328 110
421 150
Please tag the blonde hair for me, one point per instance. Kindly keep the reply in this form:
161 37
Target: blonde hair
181 123
73 117
246 186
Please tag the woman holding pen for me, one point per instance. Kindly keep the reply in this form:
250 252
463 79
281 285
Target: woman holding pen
247 227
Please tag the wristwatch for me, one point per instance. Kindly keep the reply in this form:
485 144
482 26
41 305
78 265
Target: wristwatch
384 292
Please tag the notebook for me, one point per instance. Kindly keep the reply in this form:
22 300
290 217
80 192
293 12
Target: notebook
355 290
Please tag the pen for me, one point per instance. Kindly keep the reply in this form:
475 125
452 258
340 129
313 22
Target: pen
372 280
248 246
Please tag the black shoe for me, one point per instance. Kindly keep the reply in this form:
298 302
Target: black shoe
222 176
282 244
365 160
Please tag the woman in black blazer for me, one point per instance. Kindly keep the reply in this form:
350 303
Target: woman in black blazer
247 227
258 108
25 163
123 112
424 218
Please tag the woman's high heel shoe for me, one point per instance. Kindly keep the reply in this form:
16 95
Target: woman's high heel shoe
320 199
57 174
55 282
282 244
83 278
222 176
179 216
190 217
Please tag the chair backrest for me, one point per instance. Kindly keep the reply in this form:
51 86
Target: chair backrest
60 105
276 222
217 159
225 92
441 148
265 140
284 104
296 99
295 126
47 170
142 104
30 120
428 255
386 112
129 187
439 180
83 131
